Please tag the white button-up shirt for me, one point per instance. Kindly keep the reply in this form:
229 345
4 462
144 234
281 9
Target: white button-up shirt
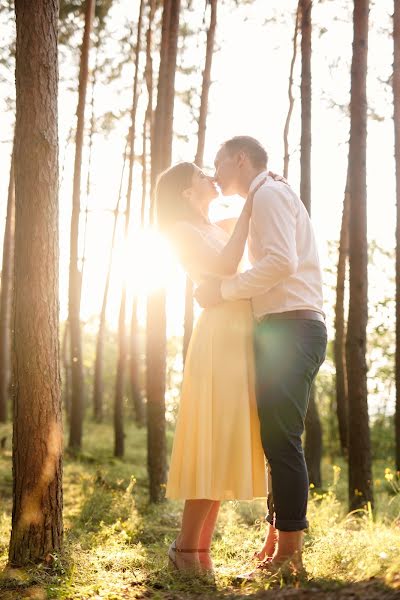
285 273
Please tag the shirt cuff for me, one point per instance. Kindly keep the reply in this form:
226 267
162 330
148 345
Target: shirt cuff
228 287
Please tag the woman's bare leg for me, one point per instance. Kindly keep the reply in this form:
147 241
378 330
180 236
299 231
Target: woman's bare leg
207 534
194 516
207 531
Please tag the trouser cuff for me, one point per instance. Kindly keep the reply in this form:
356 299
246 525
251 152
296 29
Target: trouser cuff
285 525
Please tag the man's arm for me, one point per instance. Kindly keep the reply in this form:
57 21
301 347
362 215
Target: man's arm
274 219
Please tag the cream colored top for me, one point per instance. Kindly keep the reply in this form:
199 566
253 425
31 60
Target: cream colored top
215 237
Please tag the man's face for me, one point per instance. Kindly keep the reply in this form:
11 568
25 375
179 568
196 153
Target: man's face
226 172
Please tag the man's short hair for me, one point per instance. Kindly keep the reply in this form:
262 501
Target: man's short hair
244 143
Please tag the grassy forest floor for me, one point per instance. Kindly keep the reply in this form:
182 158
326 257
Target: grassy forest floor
115 543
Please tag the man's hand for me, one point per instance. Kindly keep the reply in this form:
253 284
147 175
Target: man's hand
209 293
278 177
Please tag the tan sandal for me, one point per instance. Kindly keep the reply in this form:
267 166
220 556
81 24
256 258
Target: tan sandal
173 550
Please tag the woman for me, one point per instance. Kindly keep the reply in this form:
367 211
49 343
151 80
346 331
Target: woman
217 452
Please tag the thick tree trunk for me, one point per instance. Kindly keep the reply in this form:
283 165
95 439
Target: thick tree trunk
340 329
75 279
37 529
6 297
313 439
396 105
360 475
286 156
156 342
201 138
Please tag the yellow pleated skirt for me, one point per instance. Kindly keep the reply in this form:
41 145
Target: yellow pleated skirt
217 452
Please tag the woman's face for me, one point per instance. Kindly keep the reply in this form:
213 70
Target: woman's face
203 189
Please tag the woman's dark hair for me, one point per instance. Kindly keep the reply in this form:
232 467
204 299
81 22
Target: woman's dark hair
171 206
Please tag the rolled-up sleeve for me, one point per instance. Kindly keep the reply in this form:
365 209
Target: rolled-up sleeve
274 223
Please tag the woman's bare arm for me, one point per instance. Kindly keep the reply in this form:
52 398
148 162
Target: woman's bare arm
195 253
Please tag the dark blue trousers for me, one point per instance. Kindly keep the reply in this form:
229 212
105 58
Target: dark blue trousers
288 355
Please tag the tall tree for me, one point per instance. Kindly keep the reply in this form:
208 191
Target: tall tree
149 115
286 156
396 104
340 328
313 439
75 279
5 297
201 138
37 528
98 384
122 335
360 475
156 341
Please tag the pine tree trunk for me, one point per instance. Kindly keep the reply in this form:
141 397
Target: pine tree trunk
286 156
205 90
75 280
122 336
340 329
156 338
6 297
37 528
137 398
396 106
201 137
148 118
305 142
360 474
66 379
313 439
98 383
313 442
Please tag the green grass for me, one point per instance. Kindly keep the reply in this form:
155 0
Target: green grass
115 543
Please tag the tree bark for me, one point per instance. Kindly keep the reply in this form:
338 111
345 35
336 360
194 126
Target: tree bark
123 348
305 142
340 329
6 297
313 439
98 384
37 528
148 119
313 443
156 339
201 137
396 106
119 446
134 371
286 156
66 380
360 474
75 279
205 89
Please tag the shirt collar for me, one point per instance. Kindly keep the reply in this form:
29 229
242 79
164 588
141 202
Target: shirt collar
258 179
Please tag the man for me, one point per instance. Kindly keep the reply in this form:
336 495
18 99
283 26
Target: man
285 287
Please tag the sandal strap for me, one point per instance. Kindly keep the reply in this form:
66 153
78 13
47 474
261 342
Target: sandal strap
174 548
190 550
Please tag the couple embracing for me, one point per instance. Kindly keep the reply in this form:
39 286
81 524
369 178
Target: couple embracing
254 353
